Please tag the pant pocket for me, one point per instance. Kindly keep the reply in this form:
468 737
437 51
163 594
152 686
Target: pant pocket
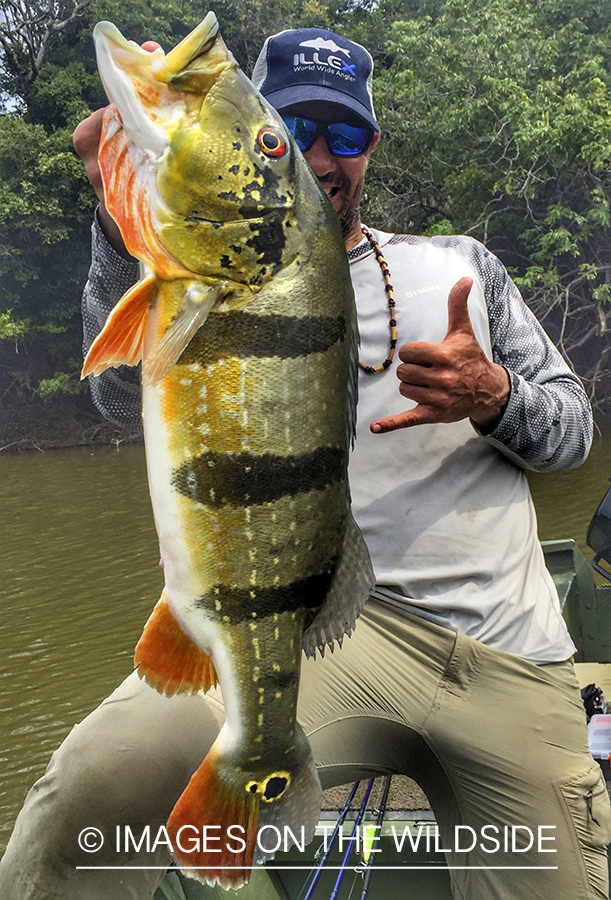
587 804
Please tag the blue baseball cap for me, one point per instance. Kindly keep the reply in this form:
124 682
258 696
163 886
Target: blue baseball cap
316 64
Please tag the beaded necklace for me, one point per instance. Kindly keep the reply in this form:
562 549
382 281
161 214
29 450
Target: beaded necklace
373 370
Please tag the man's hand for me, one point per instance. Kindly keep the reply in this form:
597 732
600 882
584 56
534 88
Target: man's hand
452 380
86 139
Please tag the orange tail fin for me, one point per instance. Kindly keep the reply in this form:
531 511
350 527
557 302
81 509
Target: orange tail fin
209 799
217 828
168 659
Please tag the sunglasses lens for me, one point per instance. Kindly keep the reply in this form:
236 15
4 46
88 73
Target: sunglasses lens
348 140
342 139
303 130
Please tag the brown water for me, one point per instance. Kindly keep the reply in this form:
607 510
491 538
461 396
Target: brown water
79 569
80 573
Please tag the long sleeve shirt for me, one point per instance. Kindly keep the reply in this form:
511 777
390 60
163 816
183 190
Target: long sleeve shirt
445 511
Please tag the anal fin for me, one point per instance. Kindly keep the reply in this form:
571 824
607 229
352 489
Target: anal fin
168 659
120 341
349 591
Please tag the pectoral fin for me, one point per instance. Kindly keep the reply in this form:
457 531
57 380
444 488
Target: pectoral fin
192 313
120 341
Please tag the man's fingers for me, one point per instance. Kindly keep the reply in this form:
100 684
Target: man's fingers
87 134
86 140
420 415
150 46
458 308
425 395
419 353
415 374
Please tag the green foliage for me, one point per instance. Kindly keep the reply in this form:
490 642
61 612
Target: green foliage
11 328
61 383
63 95
498 124
45 215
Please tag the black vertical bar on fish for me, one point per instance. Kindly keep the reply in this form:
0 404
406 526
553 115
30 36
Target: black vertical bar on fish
379 820
316 873
357 824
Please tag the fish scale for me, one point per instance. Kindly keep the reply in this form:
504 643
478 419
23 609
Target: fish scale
245 325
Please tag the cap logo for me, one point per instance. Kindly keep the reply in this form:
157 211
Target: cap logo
324 58
320 44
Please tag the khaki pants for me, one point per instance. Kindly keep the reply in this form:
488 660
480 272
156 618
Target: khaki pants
493 740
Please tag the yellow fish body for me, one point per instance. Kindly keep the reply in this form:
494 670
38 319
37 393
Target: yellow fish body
245 325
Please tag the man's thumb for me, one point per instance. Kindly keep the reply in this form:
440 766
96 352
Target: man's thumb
458 308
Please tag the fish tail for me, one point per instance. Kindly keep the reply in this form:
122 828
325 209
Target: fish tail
243 813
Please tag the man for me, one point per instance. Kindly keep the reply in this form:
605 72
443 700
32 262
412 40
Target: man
459 672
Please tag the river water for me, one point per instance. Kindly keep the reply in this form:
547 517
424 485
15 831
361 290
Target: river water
80 574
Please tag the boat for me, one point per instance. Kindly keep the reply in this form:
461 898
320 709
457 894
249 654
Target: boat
326 871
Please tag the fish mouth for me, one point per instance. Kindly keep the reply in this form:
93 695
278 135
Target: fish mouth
251 215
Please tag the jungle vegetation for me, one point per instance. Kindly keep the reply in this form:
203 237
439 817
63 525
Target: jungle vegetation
496 121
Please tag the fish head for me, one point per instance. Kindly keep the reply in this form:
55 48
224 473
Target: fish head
216 173
228 182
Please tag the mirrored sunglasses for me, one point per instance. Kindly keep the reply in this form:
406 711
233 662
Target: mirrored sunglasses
342 139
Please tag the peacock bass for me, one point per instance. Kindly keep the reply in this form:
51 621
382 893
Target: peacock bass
245 325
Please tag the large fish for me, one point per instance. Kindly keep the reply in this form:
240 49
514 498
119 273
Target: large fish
245 325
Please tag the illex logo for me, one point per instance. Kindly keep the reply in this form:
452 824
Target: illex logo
323 55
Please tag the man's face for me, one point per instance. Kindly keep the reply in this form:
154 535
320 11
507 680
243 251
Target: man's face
342 177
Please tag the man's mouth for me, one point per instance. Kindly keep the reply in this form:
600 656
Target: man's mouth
331 190
337 189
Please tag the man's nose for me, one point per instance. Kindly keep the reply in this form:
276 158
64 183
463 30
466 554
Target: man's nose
320 159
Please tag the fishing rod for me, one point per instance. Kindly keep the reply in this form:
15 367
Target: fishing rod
370 860
357 824
316 873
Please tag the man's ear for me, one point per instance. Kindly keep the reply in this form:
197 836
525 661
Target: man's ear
375 140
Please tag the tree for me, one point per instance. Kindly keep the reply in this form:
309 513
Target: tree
498 123
28 30
496 120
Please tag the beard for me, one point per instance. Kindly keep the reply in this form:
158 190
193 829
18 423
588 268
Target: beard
349 212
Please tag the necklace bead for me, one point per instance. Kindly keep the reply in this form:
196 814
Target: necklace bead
373 370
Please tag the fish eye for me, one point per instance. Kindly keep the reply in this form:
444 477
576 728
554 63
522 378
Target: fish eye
271 142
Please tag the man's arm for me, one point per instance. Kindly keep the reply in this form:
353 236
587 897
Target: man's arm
547 424
116 393
86 140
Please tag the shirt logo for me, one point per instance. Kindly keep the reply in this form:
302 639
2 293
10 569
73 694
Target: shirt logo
423 290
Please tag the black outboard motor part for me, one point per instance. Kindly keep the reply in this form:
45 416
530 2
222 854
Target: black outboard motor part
599 535
593 700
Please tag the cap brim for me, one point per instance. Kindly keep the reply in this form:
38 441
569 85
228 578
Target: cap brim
316 92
